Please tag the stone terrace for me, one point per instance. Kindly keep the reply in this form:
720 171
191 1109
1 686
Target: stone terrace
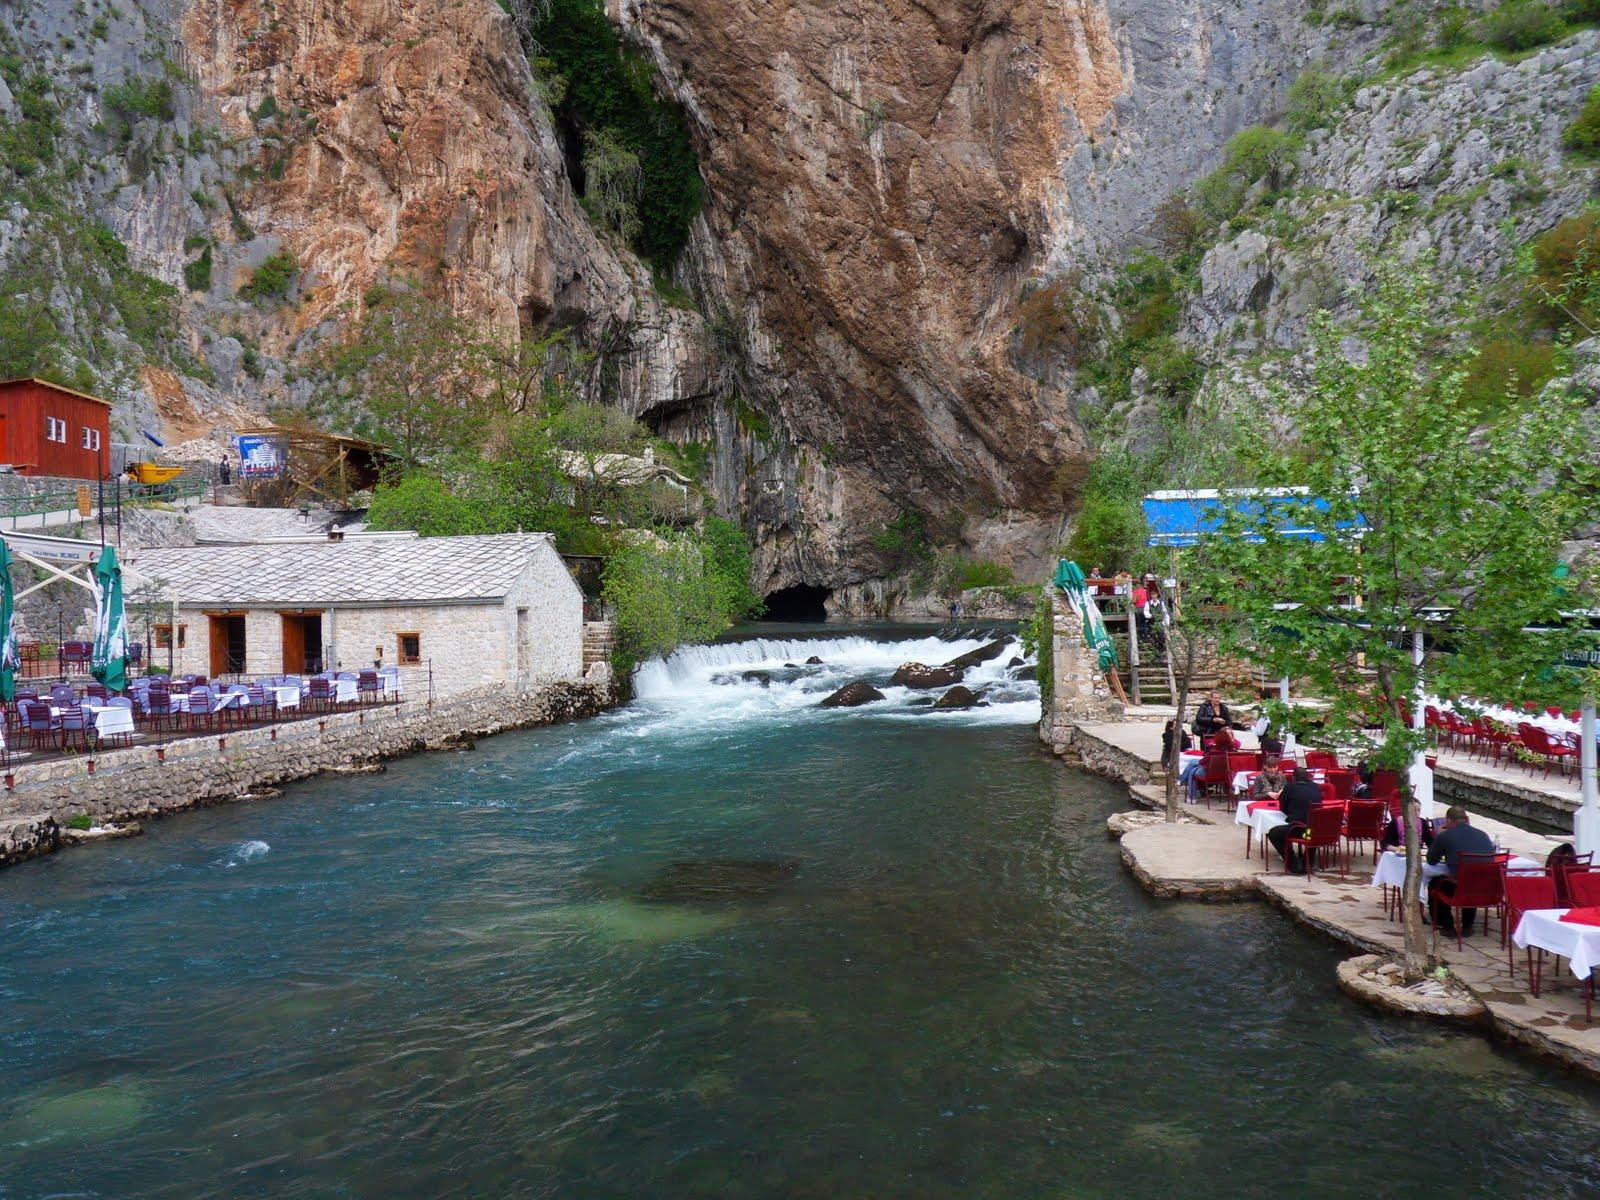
1204 859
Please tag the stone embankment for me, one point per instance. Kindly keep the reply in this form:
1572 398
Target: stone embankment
129 785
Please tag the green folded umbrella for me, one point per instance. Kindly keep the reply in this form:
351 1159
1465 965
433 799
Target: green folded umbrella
110 662
10 659
1069 578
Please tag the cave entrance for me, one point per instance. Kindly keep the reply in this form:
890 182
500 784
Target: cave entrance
802 602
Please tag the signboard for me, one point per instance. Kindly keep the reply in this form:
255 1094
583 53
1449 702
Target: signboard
260 457
85 504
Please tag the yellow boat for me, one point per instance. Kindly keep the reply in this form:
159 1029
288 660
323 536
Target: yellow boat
150 473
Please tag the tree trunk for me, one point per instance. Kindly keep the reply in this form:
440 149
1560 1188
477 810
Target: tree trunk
1180 696
1415 958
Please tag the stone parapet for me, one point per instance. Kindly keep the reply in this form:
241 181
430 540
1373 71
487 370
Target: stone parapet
148 781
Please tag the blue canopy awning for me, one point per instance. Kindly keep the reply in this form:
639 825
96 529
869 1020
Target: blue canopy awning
1183 518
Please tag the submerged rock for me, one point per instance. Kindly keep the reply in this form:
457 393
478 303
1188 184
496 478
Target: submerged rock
813 661
1029 672
1016 661
959 696
920 675
702 879
764 678
981 655
852 694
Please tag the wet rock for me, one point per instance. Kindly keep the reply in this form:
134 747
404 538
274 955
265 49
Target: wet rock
920 675
852 694
1016 661
813 661
959 696
982 654
709 879
764 678
791 666
1029 672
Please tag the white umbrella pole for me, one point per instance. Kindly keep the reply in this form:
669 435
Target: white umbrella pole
1421 777
1586 825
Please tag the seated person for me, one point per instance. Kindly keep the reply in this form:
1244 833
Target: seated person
1296 802
1167 735
1271 746
1225 742
1458 837
1213 715
1269 781
1190 778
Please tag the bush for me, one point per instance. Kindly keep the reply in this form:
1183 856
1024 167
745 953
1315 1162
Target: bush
1172 368
1581 12
729 560
1177 228
1584 133
1252 155
666 591
1059 317
903 543
608 90
958 572
1313 100
1507 366
272 278
80 821
1109 533
1521 25
613 183
1454 29
1562 268
197 274
140 97
432 507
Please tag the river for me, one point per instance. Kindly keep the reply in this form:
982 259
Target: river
719 943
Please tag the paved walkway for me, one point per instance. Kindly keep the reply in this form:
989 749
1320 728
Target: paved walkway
1207 860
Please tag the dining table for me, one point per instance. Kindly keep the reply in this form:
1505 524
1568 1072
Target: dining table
1578 943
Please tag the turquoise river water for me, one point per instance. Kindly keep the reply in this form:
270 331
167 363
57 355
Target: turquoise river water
720 943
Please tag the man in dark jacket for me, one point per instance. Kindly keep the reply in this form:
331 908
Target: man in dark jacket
1295 803
1450 843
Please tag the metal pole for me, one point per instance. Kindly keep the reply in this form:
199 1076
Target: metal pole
1133 648
1421 776
1586 825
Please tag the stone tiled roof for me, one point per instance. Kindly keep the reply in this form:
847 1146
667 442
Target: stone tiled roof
358 571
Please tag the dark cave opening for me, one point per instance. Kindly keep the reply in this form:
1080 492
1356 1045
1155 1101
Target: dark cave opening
801 602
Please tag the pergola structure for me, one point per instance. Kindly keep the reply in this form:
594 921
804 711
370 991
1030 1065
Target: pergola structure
284 467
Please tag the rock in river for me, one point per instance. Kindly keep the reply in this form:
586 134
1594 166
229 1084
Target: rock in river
981 655
958 697
852 694
920 675
813 661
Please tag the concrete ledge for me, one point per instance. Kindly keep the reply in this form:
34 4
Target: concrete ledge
1189 862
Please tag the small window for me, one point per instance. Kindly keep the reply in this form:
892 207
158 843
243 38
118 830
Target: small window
161 635
409 648
91 438
55 430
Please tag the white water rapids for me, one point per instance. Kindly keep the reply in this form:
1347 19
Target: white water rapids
712 682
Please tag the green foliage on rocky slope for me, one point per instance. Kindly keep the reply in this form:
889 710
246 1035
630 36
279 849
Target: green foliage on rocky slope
605 92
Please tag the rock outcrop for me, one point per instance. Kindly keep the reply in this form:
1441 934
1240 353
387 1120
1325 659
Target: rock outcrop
920 675
852 695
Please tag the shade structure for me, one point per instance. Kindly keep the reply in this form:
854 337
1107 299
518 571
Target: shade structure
1070 579
109 663
10 658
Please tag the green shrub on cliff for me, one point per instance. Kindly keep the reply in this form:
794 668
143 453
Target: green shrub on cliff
272 278
1254 155
1522 25
607 90
1584 133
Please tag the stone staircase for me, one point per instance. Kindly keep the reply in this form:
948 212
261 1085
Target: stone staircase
599 640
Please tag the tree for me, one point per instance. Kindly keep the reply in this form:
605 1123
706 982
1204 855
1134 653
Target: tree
1463 534
410 376
664 595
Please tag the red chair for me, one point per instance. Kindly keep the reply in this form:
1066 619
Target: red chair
1459 732
1287 765
1538 743
1329 794
1323 833
1242 762
1479 884
1363 822
1385 784
1562 865
1344 784
1322 760
1491 739
1583 889
1524 891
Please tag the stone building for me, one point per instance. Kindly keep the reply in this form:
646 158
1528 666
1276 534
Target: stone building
464 612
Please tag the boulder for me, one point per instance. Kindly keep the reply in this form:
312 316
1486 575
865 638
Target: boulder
981 655
1027 673
813 661
1015 661
920 675
764 678
852 694
959 696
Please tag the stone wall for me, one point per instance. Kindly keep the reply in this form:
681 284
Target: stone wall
1078 691
149 781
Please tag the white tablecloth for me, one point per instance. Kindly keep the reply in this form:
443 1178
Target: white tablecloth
344 690
286 697
1391 870
1544 928
112 721
1261 820
180 701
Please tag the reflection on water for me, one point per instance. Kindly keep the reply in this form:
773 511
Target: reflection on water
720 944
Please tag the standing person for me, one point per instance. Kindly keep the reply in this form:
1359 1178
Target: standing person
1167 735
224 472
1296 801
1458 837
1213 715
1141 609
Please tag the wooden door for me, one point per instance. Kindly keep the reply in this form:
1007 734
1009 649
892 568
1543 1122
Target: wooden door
294 643
219 645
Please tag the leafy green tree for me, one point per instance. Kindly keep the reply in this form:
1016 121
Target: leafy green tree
1464 521
409 376
1252 155
728 553
664 595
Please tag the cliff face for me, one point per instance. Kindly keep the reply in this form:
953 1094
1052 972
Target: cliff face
885 181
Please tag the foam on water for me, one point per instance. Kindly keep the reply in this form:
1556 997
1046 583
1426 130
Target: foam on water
709 683
246 851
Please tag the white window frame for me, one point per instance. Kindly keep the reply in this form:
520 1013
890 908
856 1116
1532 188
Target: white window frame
55 430
91 438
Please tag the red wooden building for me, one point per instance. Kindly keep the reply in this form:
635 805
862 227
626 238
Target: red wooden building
47 429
